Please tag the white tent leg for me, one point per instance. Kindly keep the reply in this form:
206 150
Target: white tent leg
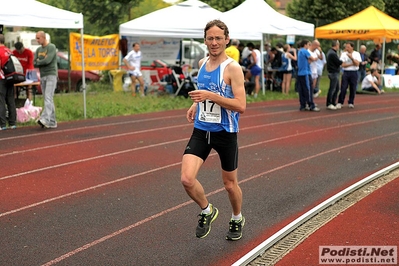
262 74
83 72
383 57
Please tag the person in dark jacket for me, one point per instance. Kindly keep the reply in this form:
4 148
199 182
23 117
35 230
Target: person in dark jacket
333 69
7 101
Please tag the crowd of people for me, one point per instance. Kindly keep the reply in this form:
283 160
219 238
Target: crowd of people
305 63
45 60
347 69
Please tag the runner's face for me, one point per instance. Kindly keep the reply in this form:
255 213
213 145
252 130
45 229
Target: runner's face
216 41
136 48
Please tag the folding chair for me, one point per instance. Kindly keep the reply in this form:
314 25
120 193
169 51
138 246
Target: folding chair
152 81
177 73
156 83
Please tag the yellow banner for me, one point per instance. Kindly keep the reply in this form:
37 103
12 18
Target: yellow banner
100 52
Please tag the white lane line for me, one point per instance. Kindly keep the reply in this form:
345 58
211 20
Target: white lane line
156 129
100 240
57 132
87 189
154 145
91 158
92 139
125 229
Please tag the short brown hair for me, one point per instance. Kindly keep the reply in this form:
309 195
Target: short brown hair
218 23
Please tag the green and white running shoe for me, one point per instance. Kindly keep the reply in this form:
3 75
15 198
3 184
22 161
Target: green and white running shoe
235 229
205 221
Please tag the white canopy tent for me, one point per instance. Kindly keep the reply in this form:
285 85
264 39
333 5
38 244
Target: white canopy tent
31 13
266 21
183 20
188 19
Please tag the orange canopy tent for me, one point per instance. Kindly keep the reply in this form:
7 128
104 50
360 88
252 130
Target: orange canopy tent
368 24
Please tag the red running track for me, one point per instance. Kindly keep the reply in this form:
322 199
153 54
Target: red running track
107 191
373 221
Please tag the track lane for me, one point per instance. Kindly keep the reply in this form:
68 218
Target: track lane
141 186
61 180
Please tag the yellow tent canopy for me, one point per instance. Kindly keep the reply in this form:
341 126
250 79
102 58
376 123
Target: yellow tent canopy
368 24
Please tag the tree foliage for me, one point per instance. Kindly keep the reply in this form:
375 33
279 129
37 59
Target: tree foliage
100 17
145 7
322 12
225 5
392 8
103 17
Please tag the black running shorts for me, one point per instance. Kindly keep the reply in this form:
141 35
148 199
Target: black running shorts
224 143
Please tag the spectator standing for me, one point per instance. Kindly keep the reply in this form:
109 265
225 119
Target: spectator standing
275 59
315 53
363 63
294 64
375 57
276 63
244 56
304 78
352 59
25 56
46 60
255 67
287 73
7 101
372 82
266 55
321 62
240 48
218 103
133 62
333 69
233 51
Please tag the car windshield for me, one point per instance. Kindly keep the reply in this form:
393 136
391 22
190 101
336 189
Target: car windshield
62 62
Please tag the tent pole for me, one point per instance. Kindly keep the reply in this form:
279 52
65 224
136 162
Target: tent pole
262 74
83 72
383 57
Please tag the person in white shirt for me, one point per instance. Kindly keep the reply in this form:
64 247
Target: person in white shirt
320 67
133 62
314 50
255 67
351 59
372 82
287 72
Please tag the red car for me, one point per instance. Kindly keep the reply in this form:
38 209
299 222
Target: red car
76 76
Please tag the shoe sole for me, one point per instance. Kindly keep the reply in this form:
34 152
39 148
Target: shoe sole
210 223
237 238
41 124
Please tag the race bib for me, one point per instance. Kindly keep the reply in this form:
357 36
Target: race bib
210 112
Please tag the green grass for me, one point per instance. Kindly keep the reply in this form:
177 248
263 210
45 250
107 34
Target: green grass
102 101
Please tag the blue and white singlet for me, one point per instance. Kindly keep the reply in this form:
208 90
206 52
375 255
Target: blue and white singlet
211 116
